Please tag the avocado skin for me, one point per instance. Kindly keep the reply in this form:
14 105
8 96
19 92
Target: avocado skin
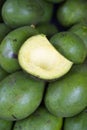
17 13
10 46
67 96
48 11
4 30
70 45
3 73
81 30
41 119
78 122
20 96
72 12
5 125
44 28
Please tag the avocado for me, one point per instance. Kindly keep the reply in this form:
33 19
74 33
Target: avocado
5 125
10 46
81 30
3 73
71 12
70 45
41 119
4 30
16 13
39 58
78 122
20 96
67 96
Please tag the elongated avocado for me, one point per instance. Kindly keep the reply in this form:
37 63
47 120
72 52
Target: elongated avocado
20 96
68 96
70 45
10 46
17 13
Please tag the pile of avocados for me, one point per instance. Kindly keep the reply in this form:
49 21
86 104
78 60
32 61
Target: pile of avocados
43 65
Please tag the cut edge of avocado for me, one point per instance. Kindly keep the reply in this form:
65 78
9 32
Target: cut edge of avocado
39 58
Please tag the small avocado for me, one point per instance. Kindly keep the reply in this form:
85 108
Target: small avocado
20 96
70 45
78 122
5 124
41 119
67 96
71 12
16 13
10 46
39 58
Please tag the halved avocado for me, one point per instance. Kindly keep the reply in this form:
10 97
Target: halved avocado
38 57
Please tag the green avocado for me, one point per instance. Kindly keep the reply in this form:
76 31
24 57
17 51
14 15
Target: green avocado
5 125
20 96
68 96
41 119
70 45
81 30
10 46
4 30
78 122
71 12
3 73
18 13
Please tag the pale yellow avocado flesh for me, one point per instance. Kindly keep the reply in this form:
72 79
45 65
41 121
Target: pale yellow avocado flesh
38 57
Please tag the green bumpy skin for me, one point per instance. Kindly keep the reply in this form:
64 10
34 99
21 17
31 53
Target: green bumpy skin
20 96
68 96
70 45
5 125
41 119
18 13
78 122
10 46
